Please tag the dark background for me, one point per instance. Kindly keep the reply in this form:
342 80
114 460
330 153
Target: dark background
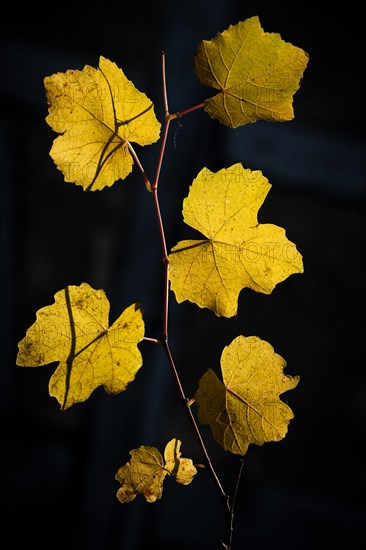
57 469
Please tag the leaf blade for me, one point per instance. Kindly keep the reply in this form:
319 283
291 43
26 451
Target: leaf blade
143 474
257 73
238 252
97 111
181 468
146 471
245 407
74 331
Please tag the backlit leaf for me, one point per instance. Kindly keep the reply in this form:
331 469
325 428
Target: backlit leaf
245 408
75 332
145 472
97 112
238 251
256 73
181 468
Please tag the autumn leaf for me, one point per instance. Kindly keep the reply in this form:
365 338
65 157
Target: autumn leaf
245 408
145 472
98 112
74 331
181 468
257 73
238 252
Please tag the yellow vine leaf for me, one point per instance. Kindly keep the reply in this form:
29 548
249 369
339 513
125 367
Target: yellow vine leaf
181 468
145 472
257 73
97 112
245 408
75 332
238 252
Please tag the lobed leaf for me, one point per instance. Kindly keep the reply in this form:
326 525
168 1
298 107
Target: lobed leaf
238 252
97 112
257 73
245 407
74 331
145 472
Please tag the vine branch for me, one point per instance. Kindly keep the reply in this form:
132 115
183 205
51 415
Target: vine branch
153 188
164 338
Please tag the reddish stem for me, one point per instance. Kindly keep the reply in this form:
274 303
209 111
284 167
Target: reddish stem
186 111
164 339
137 160
166 125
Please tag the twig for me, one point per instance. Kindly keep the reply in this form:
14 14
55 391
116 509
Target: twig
164 338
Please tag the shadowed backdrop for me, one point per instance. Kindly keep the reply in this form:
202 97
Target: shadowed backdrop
57 469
